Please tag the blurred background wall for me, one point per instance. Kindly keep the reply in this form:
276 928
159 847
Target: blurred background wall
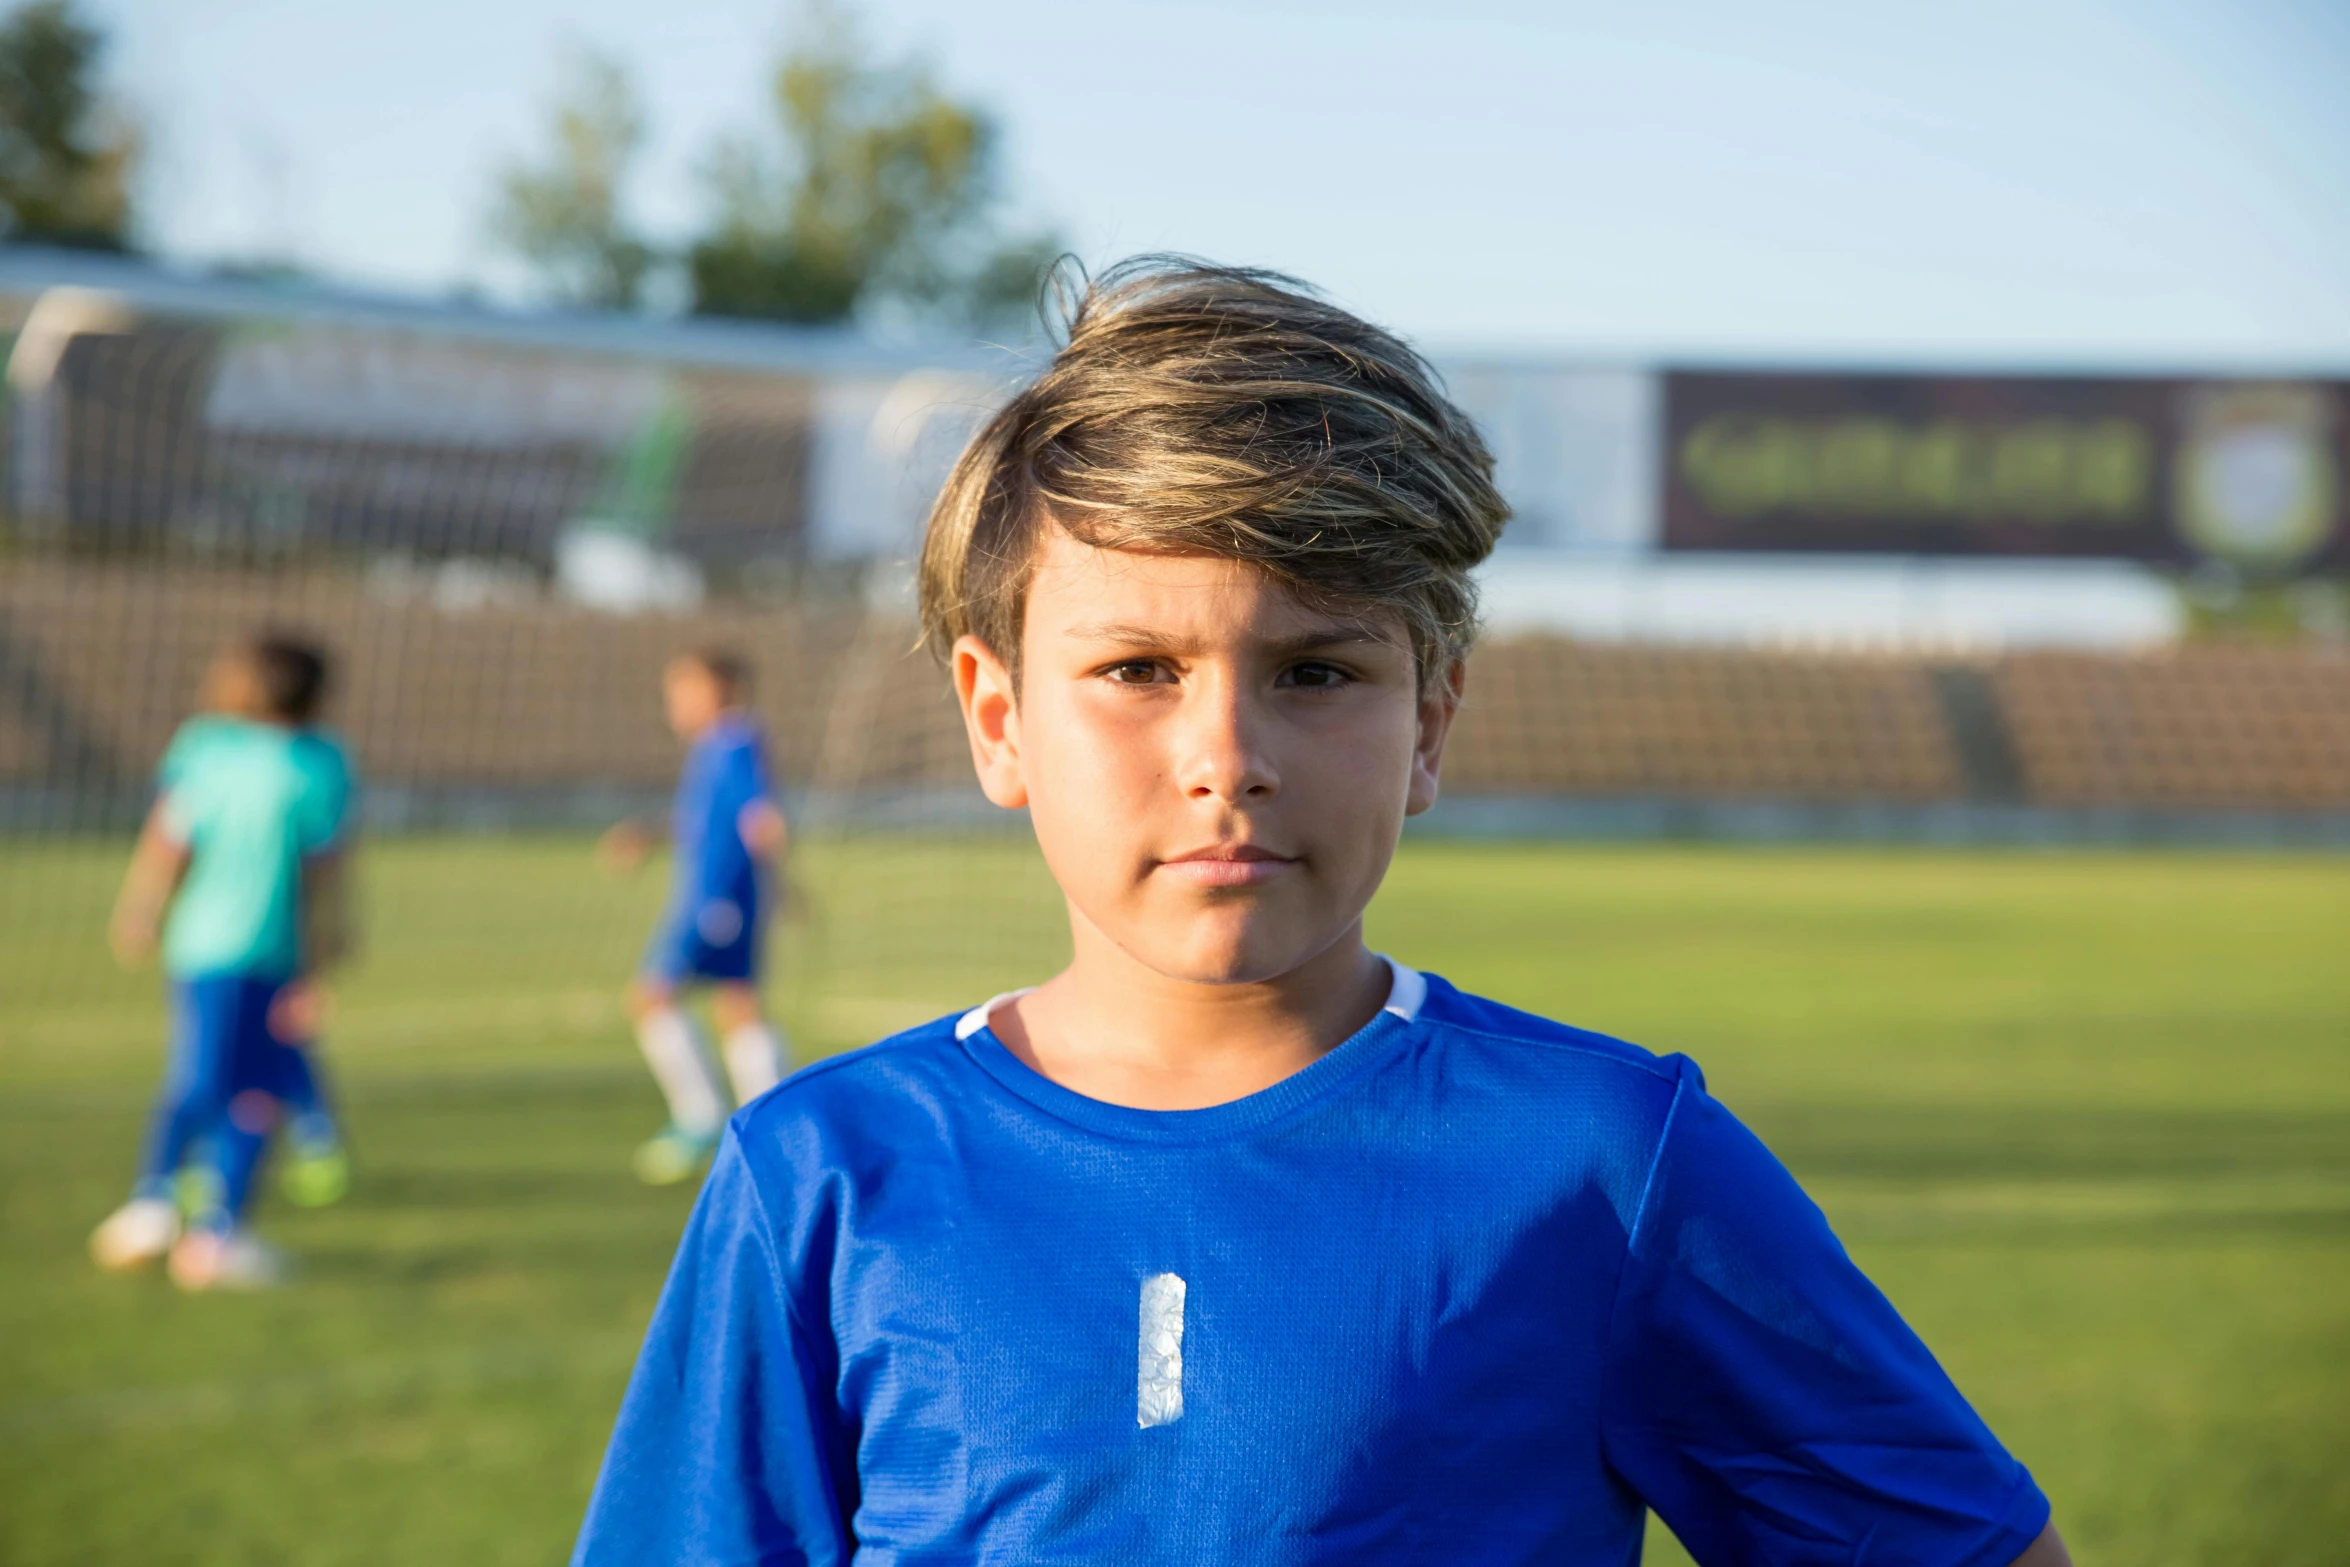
1750 602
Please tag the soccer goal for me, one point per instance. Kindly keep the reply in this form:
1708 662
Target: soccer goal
500 532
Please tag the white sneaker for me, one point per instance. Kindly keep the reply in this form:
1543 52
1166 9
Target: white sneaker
135 1234
234 1260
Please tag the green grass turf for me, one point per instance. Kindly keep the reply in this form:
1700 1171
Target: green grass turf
2085 1117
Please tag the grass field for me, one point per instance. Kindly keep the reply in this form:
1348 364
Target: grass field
2085 1117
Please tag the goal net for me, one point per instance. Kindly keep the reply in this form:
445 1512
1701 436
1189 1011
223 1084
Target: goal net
500 534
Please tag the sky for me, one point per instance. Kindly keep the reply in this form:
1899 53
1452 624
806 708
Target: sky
2040 183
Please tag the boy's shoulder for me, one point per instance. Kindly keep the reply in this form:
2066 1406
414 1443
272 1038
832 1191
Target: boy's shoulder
730 748
324 761
232 751
735 733
202 739
200 728
920 1053
859 1097
1449 1007
322 748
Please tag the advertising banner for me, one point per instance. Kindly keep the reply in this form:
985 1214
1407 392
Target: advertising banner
2247 472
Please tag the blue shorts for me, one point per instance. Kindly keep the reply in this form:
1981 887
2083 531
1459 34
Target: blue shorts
718 940
221 1038
222 1053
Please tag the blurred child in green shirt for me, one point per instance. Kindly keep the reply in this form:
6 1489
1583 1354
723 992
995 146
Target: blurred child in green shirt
240 871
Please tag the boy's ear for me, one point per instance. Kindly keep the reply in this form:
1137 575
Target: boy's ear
1440 699
991 718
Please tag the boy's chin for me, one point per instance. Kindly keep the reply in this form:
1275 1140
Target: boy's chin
1226 954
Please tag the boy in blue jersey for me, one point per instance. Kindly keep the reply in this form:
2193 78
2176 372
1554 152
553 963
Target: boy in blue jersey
727 831
239 872
1234 1241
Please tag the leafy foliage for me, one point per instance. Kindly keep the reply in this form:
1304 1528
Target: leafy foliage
878 194
66 155
873 193
564 215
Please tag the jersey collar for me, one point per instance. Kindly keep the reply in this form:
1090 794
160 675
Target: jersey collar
1375 1042
1407 992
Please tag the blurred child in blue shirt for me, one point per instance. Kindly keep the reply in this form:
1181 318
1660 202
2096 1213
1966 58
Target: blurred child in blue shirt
727 830
240 874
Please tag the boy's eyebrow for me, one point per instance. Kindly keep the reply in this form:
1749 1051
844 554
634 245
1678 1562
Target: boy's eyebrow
1335 634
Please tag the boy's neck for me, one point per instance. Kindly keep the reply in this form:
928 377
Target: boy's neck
716 721
1114 1029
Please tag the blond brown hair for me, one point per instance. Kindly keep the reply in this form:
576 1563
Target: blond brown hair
1230 412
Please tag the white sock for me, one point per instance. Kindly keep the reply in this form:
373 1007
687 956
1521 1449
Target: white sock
673 1049
754 1059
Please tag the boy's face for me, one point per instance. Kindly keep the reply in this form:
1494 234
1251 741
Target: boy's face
691 698
1217 773
232 687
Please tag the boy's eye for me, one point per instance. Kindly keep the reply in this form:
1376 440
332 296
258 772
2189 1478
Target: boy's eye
1313 675
1133 672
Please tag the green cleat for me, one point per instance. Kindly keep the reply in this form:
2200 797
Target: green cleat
316 1176
673 1154
196 1189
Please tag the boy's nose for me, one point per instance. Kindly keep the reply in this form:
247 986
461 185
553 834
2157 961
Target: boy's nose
1222 752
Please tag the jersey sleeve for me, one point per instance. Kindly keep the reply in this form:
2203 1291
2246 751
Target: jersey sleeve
176 781
728 1447
690 809
179 813
184 742
743 784
172 775
762 778
1766 1400
326 796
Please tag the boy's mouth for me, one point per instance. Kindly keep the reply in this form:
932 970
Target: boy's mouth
1228 865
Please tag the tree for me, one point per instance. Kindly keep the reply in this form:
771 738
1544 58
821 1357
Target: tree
877 196
66 155
565 216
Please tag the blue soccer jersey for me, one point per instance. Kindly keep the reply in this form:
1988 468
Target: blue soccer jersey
712 926
1472 1288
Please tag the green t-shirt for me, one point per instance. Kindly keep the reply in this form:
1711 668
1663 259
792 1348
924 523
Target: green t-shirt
324 762
249 801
